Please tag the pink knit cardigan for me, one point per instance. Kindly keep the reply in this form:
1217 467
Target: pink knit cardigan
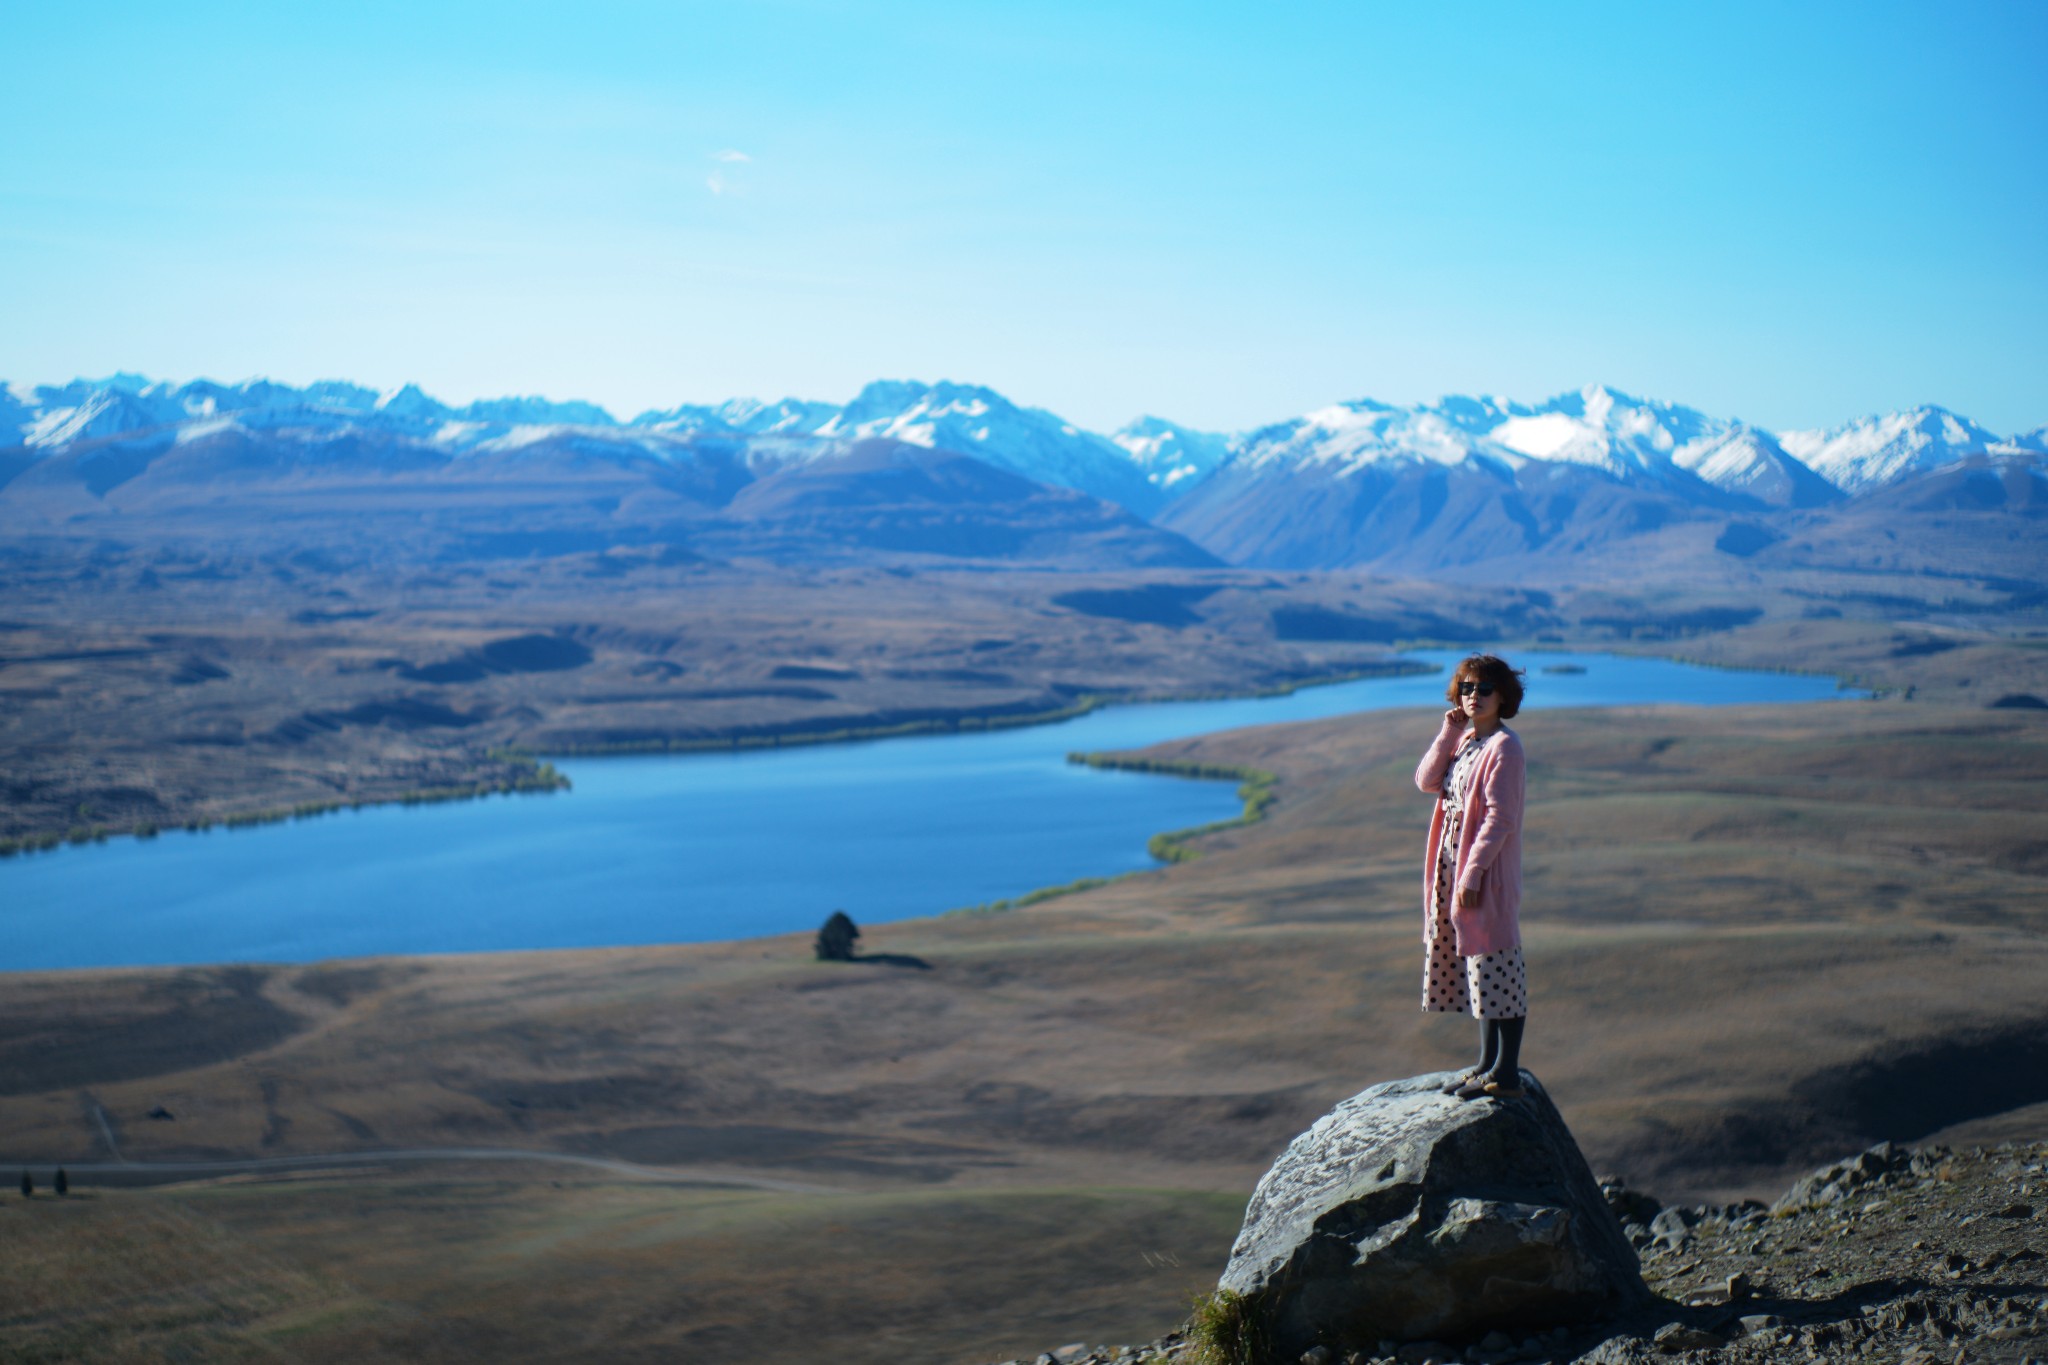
1489 842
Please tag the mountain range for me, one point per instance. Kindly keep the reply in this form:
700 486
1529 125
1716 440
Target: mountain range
1423 488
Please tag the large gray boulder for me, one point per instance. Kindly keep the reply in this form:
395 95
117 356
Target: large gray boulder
1407 1214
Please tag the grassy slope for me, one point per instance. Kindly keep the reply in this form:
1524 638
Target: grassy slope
476 1268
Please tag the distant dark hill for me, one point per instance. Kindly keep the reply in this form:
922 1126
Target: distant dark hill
1551 520
571 491
156 470
881 473
2014 483
885 495
1986 516
1418 516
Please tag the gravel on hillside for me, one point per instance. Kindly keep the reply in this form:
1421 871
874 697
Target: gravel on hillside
1897 1256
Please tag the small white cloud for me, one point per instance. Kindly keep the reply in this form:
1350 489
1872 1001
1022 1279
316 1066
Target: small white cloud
715 183
730 156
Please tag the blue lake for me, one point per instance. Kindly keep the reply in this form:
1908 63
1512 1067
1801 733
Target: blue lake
674 848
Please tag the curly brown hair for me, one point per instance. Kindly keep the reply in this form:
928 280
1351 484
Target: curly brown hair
1494 669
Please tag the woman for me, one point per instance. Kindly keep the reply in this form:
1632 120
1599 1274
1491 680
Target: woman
1472 880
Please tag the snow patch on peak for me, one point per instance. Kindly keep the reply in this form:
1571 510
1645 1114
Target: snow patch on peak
1540 435
460 434
523 435
104 411
200 430
341 395
790 416
1172 456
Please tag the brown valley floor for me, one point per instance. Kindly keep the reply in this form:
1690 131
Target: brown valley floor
1759 938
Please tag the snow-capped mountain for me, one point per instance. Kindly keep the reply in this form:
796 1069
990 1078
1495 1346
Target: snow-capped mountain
1875 451
1175 458
1365 485
1634 438
1465 480
106 412
1751 463
1346 438
1648 443
980 422
746 416
53 415
1147 464
1602 428
967 418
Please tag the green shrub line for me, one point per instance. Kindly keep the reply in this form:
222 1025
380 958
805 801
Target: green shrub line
1843 681
533 776
1255 789
1043 893
1081 706
542 776
937 725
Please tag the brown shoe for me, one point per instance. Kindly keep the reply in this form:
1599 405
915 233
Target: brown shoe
1503 1090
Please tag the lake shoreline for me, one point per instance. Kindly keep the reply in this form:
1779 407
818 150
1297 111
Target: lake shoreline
458 776
1255 789
724 858
536 773
969 721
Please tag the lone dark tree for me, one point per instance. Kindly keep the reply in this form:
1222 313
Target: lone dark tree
28 1186
63 1182
835 940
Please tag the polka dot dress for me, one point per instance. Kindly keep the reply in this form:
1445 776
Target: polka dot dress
1490 985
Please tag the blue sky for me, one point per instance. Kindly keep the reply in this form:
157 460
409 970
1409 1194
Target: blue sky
1222 214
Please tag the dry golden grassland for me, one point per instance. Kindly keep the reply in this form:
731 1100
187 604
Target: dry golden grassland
1758 937
477 1268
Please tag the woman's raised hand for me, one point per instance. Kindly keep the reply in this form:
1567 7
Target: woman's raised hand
1456 716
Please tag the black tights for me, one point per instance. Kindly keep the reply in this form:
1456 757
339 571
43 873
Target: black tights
1500 1048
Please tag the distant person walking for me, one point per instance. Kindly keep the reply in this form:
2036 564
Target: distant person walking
1472 877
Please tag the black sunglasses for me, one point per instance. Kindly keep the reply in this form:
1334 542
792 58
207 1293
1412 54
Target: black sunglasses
1467 687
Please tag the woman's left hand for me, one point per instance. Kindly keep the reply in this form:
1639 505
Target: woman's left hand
1468 899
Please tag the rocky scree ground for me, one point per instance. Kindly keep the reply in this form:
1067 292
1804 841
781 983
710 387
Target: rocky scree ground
1922 1256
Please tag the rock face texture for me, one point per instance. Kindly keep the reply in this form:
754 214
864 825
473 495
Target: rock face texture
1406 1214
